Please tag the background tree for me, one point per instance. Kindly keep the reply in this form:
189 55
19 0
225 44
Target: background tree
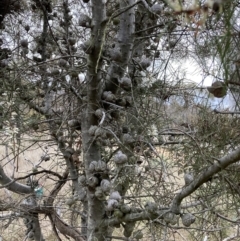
103 136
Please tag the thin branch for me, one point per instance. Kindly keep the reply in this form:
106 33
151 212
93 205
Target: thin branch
31 174
73 90
54 228
116 237
203 177
233 82
56 189
66 229
103 118
125 9
226 112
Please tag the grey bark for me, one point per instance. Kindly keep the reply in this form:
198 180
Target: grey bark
12 185
116 70
125 40
124 43
66 229
91 151
33 225
96 229
218 166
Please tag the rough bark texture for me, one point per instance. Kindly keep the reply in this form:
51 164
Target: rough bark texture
90 148
116 71
124 44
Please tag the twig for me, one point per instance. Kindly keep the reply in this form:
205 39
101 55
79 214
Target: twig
103 118
226 112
